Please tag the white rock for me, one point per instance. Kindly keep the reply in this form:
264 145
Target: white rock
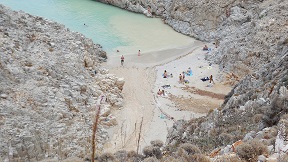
4 96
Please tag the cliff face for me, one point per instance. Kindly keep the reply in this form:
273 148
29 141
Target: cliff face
198 19
50 81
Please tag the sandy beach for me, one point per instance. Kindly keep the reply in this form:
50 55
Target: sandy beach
143 78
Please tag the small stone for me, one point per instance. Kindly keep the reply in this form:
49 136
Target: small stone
261 158
4 96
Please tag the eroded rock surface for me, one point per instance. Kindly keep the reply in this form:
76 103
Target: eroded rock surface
50 81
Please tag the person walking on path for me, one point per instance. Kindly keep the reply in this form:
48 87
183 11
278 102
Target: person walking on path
122 60
139 53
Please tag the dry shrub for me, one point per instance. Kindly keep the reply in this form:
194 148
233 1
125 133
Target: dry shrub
157 152
226 138
190 149
169 159
173 159
213 132
228 158
157 143
134 157
198 158
131 154
151 159
251 150
148 151
278 106
73 159
106 157
257 118
121 155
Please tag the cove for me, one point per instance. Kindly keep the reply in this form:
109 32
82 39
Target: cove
111 27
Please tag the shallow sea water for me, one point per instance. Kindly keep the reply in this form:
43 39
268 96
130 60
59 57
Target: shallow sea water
113 28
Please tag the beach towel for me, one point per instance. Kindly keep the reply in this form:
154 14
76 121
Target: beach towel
190 73
205 79
166 86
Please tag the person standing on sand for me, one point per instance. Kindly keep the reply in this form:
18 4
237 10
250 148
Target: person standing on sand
180 78
165 75
122 60
211 79
139 53
183 75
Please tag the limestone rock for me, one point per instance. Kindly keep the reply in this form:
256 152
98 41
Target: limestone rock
4 96
46 89
120 83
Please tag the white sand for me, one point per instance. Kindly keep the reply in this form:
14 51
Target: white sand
143 78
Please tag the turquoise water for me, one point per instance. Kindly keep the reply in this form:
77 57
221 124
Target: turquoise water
113 28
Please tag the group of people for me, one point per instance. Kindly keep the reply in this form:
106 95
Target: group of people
182 77
161 93
166 75
122 57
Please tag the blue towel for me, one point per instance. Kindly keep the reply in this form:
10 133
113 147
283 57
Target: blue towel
190 73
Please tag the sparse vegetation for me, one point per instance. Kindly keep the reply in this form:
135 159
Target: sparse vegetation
189 149
250 151
106 157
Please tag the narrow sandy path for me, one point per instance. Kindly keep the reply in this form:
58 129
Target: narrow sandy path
138 103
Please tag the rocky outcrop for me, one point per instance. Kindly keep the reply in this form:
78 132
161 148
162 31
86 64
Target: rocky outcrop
50 81
134 6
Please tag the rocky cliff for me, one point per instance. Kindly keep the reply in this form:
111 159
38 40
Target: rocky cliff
252 47
50 82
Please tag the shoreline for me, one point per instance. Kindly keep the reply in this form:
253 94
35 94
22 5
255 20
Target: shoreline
143 78
145 59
